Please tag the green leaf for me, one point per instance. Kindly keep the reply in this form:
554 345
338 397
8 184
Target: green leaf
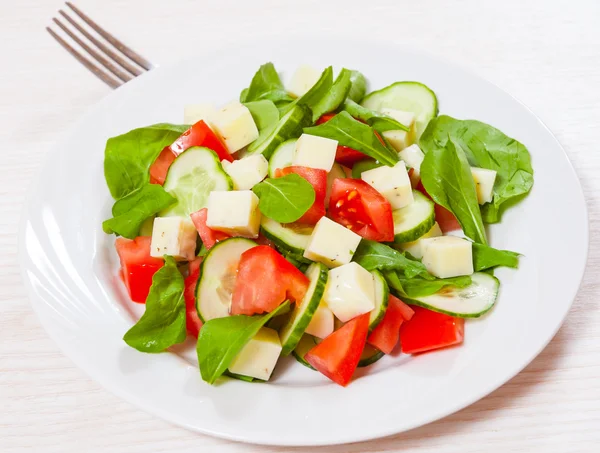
222 339
378 121
486 147
356 135
486 257
265 85
335 96
132 210
358 87
264 113
318 91
374 255
128 157
447 178
285 199
419 287
163 323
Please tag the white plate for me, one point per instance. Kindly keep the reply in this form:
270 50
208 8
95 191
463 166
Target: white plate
70 266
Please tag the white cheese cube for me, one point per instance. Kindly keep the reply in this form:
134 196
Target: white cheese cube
247 172
350 291
391 182
315 152
413 158
401 139
235 126
258 358
174 236
415 248
331 243
196 112
303 80
321 324
234 213
447 256
484 184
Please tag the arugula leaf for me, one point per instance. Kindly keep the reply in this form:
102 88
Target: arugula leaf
163 323
419 287
221 340
335 96
358 89
128 157
285 199
264 113
447 178
132 210
354 134
486 257
378 121
266 85
318 91
486 147
374 255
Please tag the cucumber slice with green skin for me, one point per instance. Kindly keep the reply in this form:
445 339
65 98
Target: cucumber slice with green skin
369 356
303 311
282 156
414 220
409 97
364 165
471 301
288 237
337 171
306 343
191 177
382 295
217 277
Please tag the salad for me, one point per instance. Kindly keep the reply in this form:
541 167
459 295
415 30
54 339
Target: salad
311 219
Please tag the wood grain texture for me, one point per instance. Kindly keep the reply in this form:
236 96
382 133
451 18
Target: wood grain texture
546 53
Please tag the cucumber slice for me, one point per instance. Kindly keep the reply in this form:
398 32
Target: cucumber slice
303 311
217 277
369 356
414 220
282 156
409 97
306 343
337 171
191 177
469 302
382 295
364 165
289 237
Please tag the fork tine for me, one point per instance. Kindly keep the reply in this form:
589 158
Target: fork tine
134 70
111 39
113 83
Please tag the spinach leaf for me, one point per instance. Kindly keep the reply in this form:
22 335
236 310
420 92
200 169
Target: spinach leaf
163 323
222 339
374 255
378 121
335 96
264 113
486 147
447 178
358 89
285 199
419 287
354 134
266 85
128 157
132 210
486 257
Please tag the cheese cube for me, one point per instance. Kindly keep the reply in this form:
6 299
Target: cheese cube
415 248
247 172
175 236
321 324
484 184
391 182
258 358
234 213
196 112
447 256
235 126
401 139
315 152
331 243
413 158
350 291
303 80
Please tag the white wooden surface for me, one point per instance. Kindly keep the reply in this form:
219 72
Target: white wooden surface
546 53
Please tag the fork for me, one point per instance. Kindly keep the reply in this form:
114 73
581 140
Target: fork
125 65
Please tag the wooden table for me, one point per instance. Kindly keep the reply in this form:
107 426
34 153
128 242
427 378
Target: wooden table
546 53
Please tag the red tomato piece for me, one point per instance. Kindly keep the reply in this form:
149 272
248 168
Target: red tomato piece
445 219
209 237
360 208
137 266
385 336
200 134
337 356
428 330
265 279
318 179
192 320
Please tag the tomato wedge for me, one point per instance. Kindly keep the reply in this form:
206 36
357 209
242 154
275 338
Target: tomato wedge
200 134
385 336
428 330
265 279
337 356
209 237
360 208
318 179
192 320
137 266
445 219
